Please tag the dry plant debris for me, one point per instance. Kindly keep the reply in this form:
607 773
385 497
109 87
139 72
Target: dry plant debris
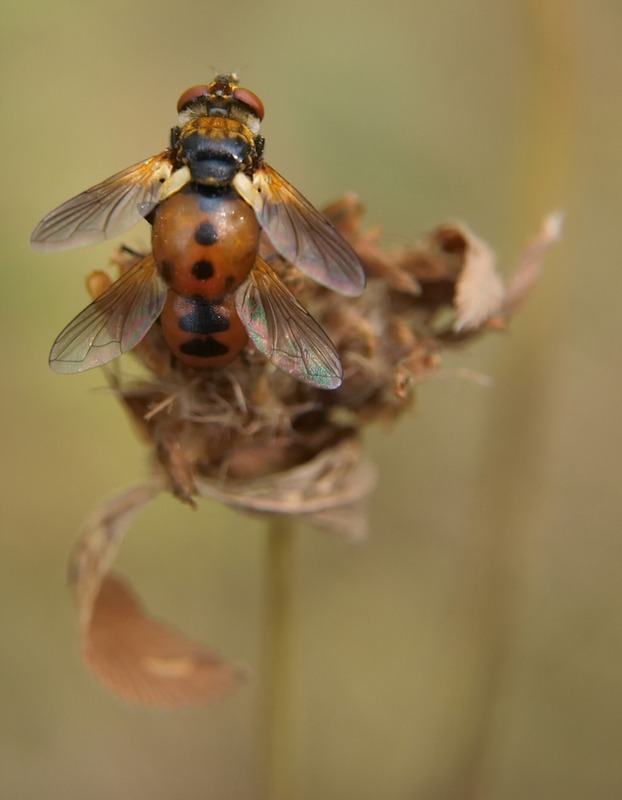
257 440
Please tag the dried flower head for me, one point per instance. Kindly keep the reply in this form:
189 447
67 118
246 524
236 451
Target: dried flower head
259 441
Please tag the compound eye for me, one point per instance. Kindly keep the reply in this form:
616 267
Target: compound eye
190 95
249 99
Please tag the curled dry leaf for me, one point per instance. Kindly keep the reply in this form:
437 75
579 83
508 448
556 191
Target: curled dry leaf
479 288
100 540
136 657
146 662
328 491
261 442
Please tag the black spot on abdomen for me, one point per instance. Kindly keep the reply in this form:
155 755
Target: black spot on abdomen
206 233
204 348
203 270
203 318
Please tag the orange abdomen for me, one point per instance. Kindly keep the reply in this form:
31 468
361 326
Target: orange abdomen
205 244
205 241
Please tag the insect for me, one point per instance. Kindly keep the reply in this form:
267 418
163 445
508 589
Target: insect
211 199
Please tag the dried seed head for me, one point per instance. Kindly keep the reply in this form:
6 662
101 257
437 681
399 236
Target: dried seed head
259 441
250 422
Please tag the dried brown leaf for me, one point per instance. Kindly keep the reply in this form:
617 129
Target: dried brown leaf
146 662
479 288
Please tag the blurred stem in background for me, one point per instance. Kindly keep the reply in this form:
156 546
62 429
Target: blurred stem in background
277 740
510 508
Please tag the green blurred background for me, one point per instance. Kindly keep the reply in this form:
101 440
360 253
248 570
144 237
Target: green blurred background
472 647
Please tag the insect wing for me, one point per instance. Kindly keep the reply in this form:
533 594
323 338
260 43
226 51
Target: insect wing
284 331
105 210
303 236
112 324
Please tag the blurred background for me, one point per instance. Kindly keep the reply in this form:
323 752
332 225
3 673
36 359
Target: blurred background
472 647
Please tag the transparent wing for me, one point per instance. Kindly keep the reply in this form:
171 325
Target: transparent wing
112 324
105 210
303 236
285 332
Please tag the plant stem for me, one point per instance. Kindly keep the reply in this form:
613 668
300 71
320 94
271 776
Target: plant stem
278 731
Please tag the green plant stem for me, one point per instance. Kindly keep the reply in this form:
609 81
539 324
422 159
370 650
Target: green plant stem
278 732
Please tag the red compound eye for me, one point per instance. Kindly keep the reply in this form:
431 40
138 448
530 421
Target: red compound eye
249 99
191 94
